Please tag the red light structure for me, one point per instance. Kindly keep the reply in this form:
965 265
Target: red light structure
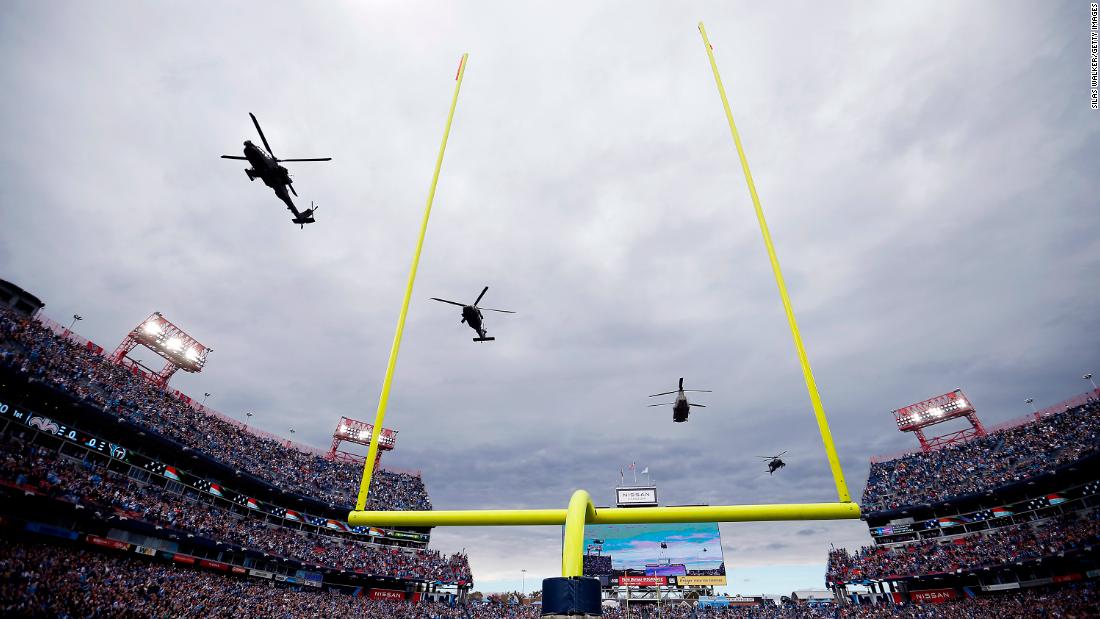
359 432
954 405
179 350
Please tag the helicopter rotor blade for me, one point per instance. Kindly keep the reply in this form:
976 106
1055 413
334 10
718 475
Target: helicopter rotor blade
451 302
782 454
698 390
312 159
489 309
699 405
662 404
234 157
262 136
481 295
665 393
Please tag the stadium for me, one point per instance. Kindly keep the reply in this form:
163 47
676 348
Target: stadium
107 468
934 204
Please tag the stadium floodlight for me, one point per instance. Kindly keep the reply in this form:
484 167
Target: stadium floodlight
358 432
915 417
180 350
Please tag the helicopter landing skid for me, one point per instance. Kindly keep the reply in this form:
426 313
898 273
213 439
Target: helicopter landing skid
484 339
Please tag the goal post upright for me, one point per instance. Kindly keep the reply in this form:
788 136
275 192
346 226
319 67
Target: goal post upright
807 373
387 382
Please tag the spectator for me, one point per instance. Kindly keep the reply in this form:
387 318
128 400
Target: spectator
35 351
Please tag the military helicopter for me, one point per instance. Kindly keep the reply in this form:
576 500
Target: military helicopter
774 463
681 408
471 315
266 166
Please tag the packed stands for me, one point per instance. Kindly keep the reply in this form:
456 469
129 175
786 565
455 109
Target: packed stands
1005 457
44 472
42 580
1008 545
40 354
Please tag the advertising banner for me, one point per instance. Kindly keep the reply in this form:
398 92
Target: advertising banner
1002 587
642 581
144 550
634 497
46 529
933 596
107 543
701 581
260 573
713 601
186 560
214 565
387 594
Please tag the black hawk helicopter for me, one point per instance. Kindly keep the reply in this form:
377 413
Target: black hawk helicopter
471 315
681 408
774 463
266 166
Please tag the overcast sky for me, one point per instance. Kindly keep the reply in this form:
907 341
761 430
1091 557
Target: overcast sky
929 171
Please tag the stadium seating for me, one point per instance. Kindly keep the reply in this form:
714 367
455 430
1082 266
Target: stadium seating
1008 545
45 472
37 352
41 580
999 459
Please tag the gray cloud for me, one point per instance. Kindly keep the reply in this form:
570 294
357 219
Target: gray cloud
928 173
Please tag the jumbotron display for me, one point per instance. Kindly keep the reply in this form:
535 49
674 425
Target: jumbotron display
652 554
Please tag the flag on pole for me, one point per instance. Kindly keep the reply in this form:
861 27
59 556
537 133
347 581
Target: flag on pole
645 471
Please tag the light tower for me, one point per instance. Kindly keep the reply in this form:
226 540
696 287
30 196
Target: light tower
954 405
179 350
359 432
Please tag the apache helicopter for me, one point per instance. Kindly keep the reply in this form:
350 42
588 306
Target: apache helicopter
774 463
266 166
681 408
471 315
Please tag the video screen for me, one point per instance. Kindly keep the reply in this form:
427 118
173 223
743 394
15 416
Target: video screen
674 549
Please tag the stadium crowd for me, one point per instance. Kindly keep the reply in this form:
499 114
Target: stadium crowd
46 472
48 581
37 352
999 459
998 547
